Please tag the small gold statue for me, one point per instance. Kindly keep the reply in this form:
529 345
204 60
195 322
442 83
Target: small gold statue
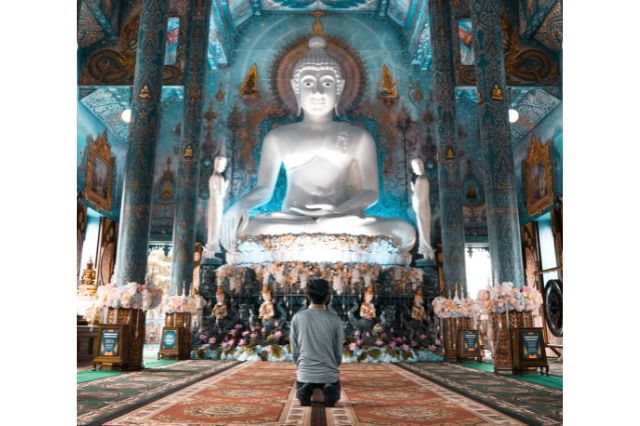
88 281
367 309
417 310
267 311
220 309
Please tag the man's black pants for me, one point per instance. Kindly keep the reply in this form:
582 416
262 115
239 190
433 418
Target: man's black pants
331 392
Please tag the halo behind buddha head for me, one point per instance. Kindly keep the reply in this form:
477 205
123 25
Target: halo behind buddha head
317 58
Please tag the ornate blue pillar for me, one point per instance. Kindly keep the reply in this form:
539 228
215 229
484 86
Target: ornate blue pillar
495 138
184 238
146 94
450 188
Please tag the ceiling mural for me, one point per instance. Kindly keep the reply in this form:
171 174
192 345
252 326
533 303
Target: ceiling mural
240 11
532 105
550 31
89 31
310 5
532 13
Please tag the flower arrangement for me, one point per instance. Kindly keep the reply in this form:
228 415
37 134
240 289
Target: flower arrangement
454 308
192 304
131 295
378 345
503 297
294 275
312 241
159 268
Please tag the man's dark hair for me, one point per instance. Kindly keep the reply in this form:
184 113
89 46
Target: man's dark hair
318 291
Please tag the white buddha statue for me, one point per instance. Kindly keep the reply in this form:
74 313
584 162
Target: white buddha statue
331 167
218 187
422 207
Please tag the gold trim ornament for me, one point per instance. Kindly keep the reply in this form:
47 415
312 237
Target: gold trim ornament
99 172
537 176
496 93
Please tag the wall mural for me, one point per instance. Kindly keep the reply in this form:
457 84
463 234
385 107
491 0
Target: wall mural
114 63
96 169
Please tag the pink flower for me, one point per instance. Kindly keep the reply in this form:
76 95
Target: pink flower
233 332
245 333
423 337
398 339
379 342
263 329
432 348
238 326
212 340
383 335
278 334
359 342
526 289
203 337
204 347
357 333
242 342
367 334
405 348
253 336
352 347
392 344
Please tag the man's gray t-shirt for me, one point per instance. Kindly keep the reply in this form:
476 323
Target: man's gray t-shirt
316 341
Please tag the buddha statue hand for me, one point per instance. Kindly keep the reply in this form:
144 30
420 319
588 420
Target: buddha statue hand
233 222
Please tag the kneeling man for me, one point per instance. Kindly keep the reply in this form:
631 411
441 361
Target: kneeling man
316 341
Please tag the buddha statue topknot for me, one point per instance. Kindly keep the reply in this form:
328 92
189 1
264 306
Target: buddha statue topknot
332 173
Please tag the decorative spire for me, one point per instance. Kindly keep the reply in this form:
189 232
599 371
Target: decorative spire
318 28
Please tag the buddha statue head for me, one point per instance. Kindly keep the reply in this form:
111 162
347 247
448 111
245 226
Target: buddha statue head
368 294
219 164
417 298
266 293
220 295
317 80
418 166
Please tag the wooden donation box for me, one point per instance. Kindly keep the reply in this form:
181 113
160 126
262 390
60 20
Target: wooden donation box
175 341
111 349
528 349
469 345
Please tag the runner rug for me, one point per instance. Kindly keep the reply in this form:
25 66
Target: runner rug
254 393
384 394
103 399
529 402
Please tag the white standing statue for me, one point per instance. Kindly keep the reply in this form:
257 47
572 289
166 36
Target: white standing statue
422 207
331 167
218 187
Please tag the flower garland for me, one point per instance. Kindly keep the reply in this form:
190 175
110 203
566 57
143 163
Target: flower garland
192 304
343 242
132 295
503 297
295 275
454 308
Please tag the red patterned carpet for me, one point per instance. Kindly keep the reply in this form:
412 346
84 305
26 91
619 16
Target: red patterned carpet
384 394
263 393
255 393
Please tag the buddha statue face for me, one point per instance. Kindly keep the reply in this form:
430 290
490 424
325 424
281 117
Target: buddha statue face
219 164
317 80
418 166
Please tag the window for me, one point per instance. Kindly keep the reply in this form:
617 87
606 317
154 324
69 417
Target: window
478 267
547 247
171 50
90 245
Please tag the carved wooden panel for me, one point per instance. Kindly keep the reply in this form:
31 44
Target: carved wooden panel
107 252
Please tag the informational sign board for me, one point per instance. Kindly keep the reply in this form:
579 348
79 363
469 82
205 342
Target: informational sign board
528 349
111 344
469 345
170 341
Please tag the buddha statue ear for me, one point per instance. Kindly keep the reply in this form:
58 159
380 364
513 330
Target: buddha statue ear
295 86
339 90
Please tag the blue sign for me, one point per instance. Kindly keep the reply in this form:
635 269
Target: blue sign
169 339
